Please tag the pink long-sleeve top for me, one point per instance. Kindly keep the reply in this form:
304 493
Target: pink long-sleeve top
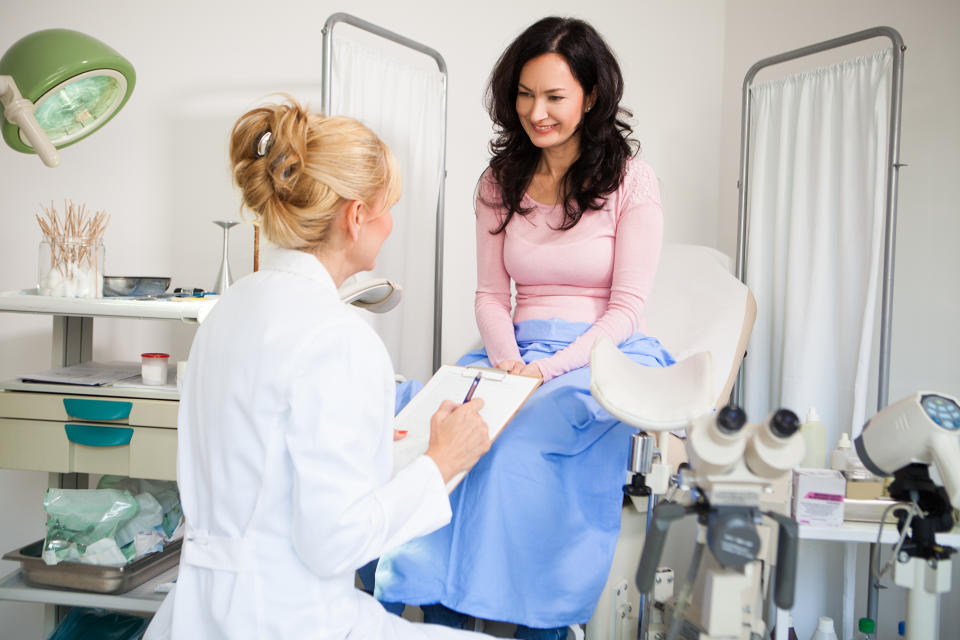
601 271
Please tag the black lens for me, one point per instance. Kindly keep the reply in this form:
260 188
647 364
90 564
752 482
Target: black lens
731 419
784 423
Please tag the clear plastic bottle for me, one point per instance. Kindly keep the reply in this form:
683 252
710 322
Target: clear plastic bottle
791 633
815 438
825 630
840 457
856 470
867 629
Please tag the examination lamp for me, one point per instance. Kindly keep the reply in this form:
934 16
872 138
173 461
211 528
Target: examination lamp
922 428
903 440
376 295
58 86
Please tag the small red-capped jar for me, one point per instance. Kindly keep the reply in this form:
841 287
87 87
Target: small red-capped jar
153 368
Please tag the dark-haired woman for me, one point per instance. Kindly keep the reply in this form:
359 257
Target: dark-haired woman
567 214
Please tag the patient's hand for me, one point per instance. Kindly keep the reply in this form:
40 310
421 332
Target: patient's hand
531 370
458 437
512 366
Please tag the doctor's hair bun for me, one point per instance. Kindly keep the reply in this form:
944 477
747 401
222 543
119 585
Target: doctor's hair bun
296 169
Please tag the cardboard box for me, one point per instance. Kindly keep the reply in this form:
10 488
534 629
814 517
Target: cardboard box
818 496
865 489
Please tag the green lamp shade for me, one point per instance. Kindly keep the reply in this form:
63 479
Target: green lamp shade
76 82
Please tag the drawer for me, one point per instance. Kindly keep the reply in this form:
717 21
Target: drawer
42 445
139 412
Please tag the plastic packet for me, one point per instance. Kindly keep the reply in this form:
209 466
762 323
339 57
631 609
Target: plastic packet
81 517
168 495
84 623
143 533
104 552
164 491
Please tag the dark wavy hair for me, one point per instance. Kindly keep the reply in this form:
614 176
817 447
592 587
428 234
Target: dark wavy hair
605 143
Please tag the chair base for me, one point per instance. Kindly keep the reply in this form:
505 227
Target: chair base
618 610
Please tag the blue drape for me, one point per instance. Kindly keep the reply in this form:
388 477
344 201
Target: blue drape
535 522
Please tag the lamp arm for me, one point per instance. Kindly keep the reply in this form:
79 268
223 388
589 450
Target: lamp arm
19 111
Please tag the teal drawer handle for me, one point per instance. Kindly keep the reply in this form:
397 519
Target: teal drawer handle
87 409
94 436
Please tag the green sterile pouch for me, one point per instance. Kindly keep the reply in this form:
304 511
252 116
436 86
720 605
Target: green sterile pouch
82 517
164 491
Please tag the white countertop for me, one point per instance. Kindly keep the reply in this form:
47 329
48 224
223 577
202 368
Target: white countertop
143 599
867 532
189 309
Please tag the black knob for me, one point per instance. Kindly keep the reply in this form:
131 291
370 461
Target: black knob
784 423
731 419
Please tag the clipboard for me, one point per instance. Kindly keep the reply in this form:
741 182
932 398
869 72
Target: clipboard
503 394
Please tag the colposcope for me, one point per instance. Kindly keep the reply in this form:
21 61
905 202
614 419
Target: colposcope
732 463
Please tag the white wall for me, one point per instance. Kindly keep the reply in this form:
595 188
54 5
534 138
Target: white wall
925 342
159 168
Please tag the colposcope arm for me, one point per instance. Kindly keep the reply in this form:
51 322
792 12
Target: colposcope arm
788 542
664 515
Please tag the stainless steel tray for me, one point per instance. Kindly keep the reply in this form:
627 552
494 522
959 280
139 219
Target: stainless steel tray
868 510
90 577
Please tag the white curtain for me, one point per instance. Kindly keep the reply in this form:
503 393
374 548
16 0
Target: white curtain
401 99
816 205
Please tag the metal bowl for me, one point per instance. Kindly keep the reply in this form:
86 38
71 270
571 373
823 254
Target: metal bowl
114 286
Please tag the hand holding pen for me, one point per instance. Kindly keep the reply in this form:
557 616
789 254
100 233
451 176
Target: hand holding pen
458 435
399 435
473 389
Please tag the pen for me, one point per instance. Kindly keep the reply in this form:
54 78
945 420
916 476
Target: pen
473 389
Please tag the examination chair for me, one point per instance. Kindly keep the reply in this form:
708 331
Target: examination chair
697 305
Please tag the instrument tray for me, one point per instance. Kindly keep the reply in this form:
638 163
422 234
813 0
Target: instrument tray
91 577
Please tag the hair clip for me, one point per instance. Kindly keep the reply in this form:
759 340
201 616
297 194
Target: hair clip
262 146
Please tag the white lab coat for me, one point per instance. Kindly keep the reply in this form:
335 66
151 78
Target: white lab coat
284 465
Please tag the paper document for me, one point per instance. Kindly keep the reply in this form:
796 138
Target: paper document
502 394
89 373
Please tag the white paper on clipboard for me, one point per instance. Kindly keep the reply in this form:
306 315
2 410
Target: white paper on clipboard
502 394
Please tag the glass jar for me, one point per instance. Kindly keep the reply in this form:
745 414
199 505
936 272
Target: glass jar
71 268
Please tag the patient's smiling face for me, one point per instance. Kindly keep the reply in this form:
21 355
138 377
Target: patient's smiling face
550 102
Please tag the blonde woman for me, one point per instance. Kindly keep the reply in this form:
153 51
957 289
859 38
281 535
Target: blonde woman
285 425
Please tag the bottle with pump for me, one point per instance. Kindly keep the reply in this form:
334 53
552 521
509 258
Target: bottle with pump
825 630
815 438
867 629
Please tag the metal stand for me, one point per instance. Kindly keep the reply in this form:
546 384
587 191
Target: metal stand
923 566
643 453
926 580
890 207
735 567
223 276
893 176
72 341
326 81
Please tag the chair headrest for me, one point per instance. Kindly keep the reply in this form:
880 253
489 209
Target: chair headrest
697 304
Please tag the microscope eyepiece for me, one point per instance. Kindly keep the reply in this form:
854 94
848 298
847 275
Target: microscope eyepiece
784 423
731 419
